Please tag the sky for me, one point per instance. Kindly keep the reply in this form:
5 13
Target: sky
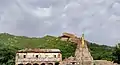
99 20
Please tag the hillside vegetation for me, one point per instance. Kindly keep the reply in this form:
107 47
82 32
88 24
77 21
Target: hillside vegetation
101 52
9 44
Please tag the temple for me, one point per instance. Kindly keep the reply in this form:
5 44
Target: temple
82 54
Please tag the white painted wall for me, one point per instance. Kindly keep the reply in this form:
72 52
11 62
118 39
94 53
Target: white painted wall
41 57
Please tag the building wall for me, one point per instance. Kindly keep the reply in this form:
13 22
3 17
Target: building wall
64 39
25 58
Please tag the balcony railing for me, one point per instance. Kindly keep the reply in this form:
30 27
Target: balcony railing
37 59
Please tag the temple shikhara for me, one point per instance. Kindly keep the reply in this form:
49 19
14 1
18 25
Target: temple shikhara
54 56
82 54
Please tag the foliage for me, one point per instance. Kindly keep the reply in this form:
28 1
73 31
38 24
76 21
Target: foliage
116 53
101 52
9 44
7 54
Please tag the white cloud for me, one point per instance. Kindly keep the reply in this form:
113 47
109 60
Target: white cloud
42 12
98 19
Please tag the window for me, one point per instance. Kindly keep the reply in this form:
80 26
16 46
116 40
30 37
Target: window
50 63
58 55
20 64
36 56
35 64
24 56
46 56
18 56
73 63
43 64
54 56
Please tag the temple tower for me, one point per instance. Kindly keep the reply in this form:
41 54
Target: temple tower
82 53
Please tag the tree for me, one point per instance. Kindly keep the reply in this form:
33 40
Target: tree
116 54
7 54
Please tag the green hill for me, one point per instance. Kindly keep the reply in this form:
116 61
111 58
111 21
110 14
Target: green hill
9 44
101 52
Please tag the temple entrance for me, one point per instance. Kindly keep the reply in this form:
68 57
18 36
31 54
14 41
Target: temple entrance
35 64
28 64
50 63
43 64
20 64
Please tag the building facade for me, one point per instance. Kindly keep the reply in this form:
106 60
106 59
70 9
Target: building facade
38 57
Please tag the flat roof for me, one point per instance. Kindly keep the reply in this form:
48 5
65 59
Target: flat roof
37 50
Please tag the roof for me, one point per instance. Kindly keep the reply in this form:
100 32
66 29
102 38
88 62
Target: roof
70 59
39 51
68 34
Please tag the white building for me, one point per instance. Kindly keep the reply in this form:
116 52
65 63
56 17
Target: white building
38 57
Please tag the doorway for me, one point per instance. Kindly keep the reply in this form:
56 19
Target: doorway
20 64
56 63
43 64
28 64
50 63
35 64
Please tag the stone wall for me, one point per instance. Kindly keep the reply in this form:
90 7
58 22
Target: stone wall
103 62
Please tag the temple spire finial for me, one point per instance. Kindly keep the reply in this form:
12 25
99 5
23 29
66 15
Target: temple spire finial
83 42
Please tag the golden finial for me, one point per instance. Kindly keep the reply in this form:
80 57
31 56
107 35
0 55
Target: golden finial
83 42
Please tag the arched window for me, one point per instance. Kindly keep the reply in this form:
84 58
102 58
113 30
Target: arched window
43 64
28 64
50 63
73 63
20 64
35 64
